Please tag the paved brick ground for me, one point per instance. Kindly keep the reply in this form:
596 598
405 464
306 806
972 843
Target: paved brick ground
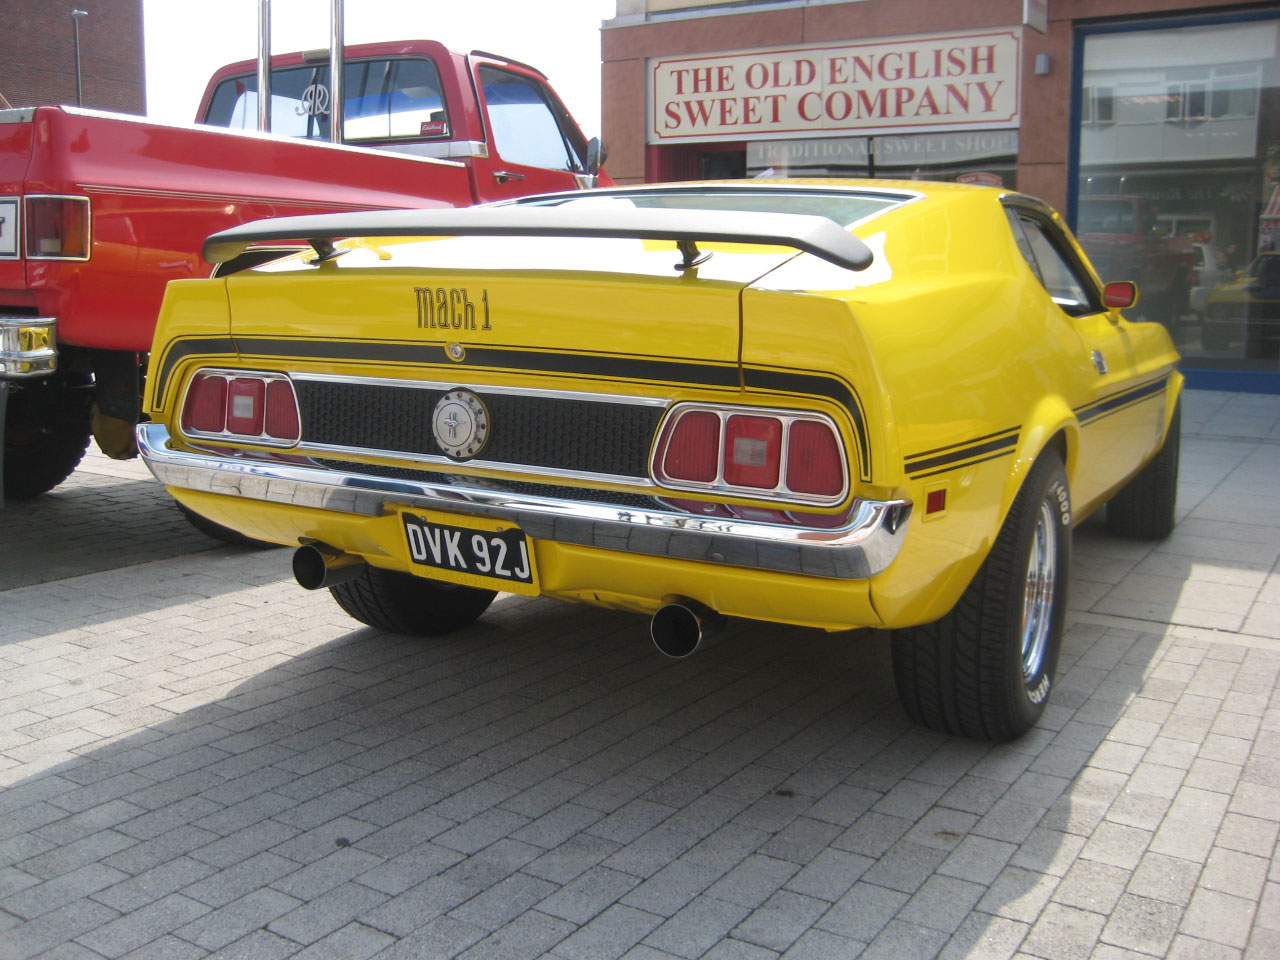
199 759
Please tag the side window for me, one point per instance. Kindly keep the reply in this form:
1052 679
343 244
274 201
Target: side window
523 125
1055 272
382 100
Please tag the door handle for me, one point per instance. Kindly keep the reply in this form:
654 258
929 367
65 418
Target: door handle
502 176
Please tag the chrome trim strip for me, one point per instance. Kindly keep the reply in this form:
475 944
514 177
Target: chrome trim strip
617 398
863 547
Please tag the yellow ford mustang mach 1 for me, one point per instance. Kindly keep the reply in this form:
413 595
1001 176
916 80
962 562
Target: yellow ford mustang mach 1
831 403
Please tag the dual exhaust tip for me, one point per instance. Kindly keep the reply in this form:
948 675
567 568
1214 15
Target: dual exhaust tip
680 628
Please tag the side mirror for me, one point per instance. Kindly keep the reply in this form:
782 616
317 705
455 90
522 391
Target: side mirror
596 154
1120 294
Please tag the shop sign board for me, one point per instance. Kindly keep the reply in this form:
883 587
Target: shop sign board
951 81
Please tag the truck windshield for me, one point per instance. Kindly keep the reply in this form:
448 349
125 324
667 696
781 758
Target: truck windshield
383 99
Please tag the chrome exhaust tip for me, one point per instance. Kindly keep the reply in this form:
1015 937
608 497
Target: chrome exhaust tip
681 627
316 565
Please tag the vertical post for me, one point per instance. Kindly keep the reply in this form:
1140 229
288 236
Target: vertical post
335 71
75 27
264 65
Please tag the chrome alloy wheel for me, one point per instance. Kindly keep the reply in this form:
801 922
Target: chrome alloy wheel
1037 598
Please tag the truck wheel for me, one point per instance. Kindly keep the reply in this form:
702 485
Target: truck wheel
41 448
1144 508
985 669
403 603
218 531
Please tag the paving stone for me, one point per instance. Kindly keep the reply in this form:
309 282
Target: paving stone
1091 885
1143 925
1219 917
1064 933
697 927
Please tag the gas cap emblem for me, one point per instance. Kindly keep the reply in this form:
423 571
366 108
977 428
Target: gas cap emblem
460 424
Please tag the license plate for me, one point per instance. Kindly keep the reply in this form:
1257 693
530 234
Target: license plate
496 553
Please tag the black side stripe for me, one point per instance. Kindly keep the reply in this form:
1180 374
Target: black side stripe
991 446
988 447
1112 404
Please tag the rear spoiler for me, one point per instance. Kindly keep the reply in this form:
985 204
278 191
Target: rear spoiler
813 234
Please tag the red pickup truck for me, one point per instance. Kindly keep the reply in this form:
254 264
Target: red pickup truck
99 211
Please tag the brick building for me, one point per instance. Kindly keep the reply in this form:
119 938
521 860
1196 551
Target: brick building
37 64
1152 124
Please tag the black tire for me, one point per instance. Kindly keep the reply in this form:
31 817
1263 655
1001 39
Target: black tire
45 438
981 671
403 603
218 532
1145 507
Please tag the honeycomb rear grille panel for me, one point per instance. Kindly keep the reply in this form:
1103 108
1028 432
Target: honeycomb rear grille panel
525 430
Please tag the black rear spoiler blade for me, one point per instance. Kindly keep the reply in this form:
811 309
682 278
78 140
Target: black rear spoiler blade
816 235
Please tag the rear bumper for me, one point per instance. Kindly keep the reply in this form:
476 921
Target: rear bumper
859 549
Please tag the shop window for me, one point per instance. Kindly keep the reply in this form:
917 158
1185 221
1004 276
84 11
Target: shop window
1181 193
1097 105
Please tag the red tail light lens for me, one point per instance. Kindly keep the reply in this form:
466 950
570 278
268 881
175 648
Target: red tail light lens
57 228
206 407
692 449
785 455
282 411
240 405
753 452
814 464
245 401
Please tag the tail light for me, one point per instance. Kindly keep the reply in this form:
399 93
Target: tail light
772 454
57 228
242 405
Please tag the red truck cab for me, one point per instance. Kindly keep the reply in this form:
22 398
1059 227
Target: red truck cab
99 211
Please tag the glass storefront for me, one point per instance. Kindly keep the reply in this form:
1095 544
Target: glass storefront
1179 181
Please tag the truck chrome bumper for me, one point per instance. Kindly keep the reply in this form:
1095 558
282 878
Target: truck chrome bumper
28 347
861 548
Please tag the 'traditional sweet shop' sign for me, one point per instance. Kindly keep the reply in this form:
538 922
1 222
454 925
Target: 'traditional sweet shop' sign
942 82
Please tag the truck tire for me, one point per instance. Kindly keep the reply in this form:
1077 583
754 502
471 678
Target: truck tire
43 444
1145 507
985 669
218 532
403 603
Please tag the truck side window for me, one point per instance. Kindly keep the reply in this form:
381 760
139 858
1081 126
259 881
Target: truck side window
1054 271
522 123
383 99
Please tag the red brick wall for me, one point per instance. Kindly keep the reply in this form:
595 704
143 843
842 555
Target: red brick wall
37 62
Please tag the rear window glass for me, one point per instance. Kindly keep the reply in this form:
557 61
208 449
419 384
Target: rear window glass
844 208
382 99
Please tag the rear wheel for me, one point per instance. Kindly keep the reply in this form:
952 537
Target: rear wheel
985 669
1145 507
403 603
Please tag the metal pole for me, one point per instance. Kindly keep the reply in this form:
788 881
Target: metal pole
264 65
75 26
335 71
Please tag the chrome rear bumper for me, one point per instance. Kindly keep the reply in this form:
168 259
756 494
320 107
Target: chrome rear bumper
861 548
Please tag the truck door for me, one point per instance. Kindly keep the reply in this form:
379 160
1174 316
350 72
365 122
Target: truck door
534 145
